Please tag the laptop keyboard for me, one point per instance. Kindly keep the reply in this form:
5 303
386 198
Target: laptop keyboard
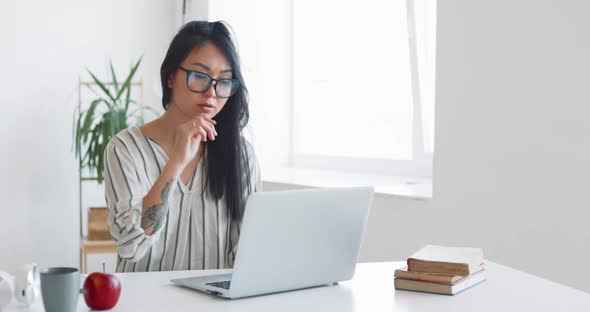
222 284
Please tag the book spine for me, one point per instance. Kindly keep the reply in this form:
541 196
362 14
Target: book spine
460 269
427 280
434 278
422 286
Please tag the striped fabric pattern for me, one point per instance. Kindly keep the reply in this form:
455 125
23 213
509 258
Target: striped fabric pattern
197 233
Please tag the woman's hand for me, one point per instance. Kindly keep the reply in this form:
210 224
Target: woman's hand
188 137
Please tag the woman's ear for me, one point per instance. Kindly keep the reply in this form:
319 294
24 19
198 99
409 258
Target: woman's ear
171 80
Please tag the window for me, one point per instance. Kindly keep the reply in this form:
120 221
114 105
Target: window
363 92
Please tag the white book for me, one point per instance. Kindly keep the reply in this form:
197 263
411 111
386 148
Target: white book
446 260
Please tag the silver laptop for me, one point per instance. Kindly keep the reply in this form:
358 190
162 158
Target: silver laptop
292 240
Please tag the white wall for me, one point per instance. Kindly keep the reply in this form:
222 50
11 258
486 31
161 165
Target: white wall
512 164
46 45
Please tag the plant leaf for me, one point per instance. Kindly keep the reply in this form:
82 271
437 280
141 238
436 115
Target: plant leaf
127 83
128 98
89 117
93 90
107 122
115 82
87 159
101 86
100 165
76 133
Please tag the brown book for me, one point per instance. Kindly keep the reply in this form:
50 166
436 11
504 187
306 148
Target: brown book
436 288
432 277
446 260
98 228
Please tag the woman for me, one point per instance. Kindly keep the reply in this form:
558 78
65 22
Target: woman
176 187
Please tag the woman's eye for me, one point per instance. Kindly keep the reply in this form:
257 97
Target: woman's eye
199 76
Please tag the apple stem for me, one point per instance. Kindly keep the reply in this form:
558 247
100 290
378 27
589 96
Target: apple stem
103 268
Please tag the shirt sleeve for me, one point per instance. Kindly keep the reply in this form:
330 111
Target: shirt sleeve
124 199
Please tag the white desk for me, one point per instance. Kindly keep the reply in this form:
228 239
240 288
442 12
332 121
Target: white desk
371 290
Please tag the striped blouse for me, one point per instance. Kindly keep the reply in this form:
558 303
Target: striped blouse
197 234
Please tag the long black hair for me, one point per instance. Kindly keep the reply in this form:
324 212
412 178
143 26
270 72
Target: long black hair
226 159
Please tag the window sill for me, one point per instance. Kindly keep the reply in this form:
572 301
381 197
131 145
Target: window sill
414 188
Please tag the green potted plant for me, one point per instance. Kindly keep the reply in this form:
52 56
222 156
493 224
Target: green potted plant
111 111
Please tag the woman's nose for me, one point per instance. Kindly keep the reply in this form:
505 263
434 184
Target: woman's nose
211 91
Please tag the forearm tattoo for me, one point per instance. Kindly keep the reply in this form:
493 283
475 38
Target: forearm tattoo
155 215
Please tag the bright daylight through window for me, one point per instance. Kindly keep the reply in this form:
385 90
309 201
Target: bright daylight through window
371 90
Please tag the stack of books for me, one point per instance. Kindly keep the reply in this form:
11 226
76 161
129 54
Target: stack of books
442 270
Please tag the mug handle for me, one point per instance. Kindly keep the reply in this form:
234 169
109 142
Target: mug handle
25 283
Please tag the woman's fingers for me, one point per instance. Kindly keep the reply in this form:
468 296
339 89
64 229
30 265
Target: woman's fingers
211 130
197 136
209 119
209 127
203 134
214 130
204 127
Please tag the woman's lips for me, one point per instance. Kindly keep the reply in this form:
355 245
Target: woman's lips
206 108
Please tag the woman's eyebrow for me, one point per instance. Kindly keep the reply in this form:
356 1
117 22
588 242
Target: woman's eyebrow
209 68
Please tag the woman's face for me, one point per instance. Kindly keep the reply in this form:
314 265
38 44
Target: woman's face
206 59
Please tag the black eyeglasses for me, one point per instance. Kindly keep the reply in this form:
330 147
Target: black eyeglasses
200 82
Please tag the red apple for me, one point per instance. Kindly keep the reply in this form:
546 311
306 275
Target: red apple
101 291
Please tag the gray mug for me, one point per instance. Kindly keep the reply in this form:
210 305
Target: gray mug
60 288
